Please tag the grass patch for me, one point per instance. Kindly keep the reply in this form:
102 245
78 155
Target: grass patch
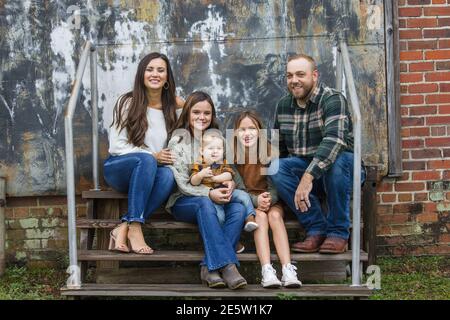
414 278
21 283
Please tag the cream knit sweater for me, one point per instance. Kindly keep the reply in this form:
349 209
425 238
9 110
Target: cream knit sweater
182 149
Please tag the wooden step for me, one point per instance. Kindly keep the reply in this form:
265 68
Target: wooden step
111 194
196 256
153 224
103 194
197 290
157 224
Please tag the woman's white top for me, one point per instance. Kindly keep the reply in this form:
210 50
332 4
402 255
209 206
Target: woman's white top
155 137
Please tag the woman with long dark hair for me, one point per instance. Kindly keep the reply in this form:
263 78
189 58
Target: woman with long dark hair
138 134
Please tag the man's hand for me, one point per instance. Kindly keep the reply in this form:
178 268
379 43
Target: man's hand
301 199
164 156
264 201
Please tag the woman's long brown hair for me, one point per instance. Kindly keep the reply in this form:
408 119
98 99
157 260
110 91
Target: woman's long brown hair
184 120
135 120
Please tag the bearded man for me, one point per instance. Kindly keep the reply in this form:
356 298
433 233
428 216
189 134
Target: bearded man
316 157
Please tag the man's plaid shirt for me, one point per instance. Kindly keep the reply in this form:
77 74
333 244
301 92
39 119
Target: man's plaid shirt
320 130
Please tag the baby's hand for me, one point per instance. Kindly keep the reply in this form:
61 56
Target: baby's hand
206 172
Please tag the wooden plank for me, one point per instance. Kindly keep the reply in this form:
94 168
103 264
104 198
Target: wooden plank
189 273
163 224
195 290
103 194
110 224
106 255
393 88
160 212
87 238
369 212
106 209
168 223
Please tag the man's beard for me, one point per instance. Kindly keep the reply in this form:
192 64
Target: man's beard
301 97
307 92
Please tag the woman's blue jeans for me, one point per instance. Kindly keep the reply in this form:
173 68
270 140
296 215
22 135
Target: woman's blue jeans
219 242
148 186
336 183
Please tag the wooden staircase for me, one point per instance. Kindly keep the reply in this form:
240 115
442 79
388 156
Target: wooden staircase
173 270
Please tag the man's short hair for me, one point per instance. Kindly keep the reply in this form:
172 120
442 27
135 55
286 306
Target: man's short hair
303 56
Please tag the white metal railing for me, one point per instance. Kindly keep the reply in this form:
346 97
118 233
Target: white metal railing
89 51
343 65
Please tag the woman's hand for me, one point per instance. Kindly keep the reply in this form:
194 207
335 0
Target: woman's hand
264 201
164 156
220 195
230 185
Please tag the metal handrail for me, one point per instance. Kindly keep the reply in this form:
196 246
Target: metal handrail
356 119
339 71
74 281
94 104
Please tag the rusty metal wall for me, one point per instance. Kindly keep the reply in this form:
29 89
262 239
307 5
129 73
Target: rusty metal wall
235 50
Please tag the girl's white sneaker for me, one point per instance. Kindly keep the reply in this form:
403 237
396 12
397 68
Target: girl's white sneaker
289 279
269 277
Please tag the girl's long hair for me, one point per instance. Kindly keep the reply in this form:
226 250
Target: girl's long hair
130 111
239 150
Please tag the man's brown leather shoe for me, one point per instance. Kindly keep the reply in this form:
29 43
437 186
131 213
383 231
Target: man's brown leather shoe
311 244
333 245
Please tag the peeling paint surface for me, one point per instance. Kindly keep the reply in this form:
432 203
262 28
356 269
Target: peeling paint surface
234 50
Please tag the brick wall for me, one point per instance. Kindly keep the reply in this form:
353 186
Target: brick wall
413 215
36 230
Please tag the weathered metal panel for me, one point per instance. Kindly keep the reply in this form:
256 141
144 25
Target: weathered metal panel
235 50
